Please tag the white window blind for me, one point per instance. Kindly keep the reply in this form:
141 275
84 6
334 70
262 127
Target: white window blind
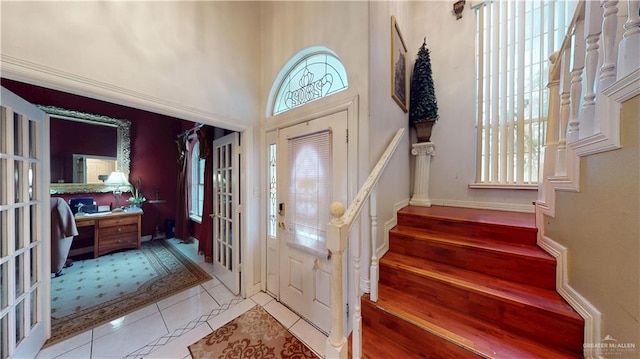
310 189
513 42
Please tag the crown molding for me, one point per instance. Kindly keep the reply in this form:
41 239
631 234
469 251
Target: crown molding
33 73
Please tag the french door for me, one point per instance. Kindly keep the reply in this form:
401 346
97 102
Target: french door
226 207
311 173
24 211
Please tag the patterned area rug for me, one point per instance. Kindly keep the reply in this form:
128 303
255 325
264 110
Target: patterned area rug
95 291
254 334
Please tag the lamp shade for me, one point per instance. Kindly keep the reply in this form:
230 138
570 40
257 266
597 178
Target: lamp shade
117 179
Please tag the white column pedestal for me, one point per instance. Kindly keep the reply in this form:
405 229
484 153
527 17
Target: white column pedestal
423 152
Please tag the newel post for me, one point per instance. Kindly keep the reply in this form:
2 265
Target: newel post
336 346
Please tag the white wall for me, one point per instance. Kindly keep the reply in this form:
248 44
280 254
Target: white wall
452 46
192 60
386 116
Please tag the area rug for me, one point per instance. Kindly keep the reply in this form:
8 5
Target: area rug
254 334
96 291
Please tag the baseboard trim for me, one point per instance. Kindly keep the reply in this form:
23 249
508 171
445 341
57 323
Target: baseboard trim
254 289
511 207
591 315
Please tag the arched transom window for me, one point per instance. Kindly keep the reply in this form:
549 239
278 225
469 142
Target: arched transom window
310 75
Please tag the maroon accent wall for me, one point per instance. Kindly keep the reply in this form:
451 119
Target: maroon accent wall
95 140
153 150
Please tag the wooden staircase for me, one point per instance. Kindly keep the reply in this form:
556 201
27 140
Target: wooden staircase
465 283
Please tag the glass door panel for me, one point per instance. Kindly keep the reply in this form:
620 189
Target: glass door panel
22 266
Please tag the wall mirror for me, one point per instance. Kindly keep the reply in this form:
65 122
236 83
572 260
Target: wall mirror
85 149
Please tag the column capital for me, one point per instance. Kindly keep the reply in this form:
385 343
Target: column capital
423 149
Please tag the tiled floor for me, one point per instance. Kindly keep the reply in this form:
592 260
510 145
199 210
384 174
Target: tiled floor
166 328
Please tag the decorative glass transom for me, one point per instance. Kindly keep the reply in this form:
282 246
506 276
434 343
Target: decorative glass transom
315 76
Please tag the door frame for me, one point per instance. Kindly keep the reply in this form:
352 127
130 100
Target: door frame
270 133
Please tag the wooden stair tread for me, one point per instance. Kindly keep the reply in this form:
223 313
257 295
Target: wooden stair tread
499 218
480 283
478 336
528 251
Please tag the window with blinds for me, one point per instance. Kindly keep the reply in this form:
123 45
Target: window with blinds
310 191
514 40
197 183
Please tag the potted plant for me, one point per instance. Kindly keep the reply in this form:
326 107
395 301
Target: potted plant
423 106
138 198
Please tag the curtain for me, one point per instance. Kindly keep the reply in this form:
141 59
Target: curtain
205 245
182 191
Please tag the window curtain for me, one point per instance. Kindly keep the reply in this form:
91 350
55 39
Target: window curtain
182 191
205 245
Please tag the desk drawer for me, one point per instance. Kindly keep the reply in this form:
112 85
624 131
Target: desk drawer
85 222
116 230
112 222
112 243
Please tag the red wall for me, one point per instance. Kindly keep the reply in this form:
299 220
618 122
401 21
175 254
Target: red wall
153 148
96 140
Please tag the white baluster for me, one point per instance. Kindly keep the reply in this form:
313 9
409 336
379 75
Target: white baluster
609 31
576 83
356 334
629 47
592 31
551 139
565 100
374 269
336 243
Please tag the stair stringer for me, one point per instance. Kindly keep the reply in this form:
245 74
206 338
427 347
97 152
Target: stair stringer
617 93
591 315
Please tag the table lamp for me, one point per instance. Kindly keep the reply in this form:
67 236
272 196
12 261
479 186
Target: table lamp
117 180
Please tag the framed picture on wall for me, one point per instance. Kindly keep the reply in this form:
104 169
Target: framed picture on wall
398 66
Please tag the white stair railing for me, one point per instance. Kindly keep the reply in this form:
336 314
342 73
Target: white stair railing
337 240
594 71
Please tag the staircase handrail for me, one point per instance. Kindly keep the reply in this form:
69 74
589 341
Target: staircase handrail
363 194
337 239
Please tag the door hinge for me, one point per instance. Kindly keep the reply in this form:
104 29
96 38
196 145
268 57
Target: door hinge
347 135
239 267
347 311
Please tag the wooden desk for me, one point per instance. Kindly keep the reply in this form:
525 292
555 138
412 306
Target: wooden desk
113 231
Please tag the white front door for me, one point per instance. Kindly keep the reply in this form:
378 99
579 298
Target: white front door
312 173
24 225
226 211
